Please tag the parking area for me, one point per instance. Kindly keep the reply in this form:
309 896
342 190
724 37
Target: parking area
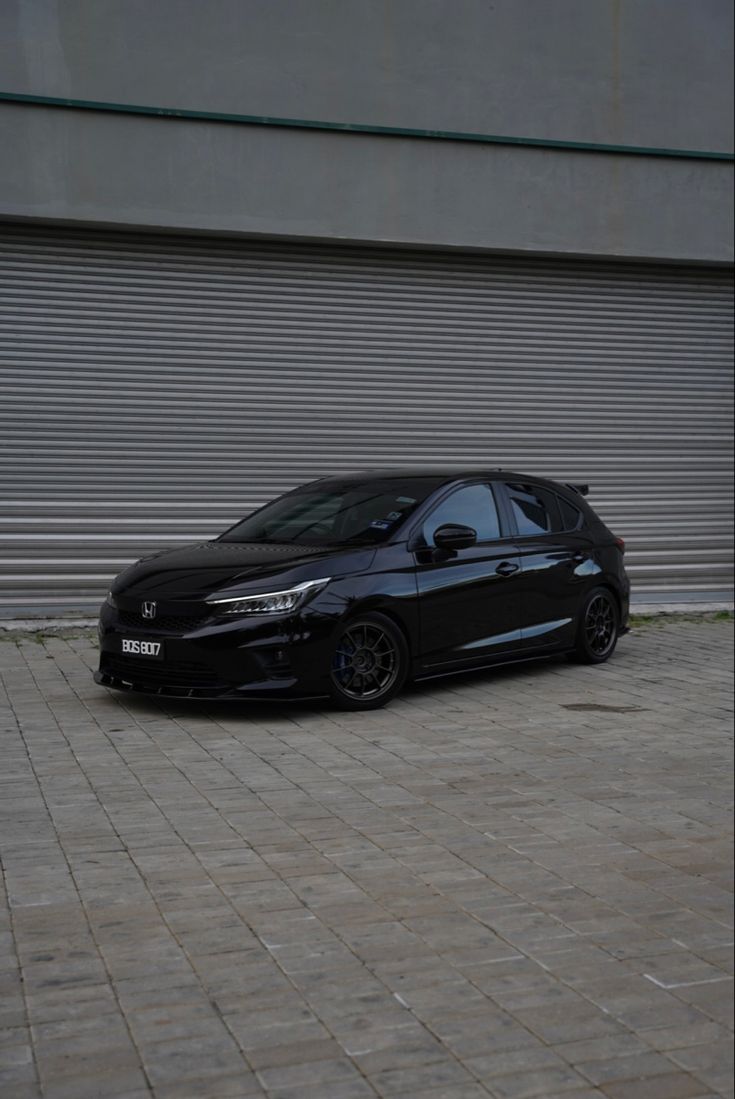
510 884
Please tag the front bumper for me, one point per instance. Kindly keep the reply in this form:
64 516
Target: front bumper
262 657
139 684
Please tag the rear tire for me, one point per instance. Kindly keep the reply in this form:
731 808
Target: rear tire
369 663
598 628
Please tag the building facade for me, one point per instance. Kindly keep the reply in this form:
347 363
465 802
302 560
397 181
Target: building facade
244 244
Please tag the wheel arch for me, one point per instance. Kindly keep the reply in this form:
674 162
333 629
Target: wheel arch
609 585
388 609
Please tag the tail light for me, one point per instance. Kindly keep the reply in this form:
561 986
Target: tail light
620 543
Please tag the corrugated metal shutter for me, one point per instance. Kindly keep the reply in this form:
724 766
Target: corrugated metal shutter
157 388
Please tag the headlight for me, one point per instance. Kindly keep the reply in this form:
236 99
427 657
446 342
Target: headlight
110 600
272 602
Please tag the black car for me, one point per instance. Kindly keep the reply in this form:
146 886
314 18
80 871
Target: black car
350 585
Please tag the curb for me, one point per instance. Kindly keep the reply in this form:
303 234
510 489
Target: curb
56 625
45 625
689 609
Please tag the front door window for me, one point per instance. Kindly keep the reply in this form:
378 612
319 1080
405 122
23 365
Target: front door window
471 506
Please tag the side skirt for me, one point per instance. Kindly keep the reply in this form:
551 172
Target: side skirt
526 658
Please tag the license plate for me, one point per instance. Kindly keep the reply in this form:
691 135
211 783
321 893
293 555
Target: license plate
133 646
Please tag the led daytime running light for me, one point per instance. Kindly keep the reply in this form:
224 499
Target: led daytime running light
274 602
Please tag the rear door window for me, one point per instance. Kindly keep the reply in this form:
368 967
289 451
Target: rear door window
535 509
571 517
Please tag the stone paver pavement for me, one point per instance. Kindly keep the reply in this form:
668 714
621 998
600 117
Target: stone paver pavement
515 884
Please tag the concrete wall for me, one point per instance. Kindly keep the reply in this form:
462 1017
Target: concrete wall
639 72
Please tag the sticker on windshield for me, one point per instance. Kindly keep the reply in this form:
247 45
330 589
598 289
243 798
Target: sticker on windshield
380 524
405 500
393 515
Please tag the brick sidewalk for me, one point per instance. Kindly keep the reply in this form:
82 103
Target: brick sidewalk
511 884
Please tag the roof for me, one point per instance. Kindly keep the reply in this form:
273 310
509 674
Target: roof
440 475
434 473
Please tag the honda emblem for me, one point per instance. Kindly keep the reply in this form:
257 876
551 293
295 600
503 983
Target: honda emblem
148 610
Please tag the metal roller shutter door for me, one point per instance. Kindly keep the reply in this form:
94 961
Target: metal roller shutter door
156 388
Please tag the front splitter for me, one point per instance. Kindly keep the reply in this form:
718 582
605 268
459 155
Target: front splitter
285 688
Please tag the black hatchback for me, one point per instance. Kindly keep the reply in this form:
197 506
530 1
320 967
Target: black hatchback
350 585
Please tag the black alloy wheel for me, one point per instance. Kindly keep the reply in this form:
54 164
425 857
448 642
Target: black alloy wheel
369 663
597 634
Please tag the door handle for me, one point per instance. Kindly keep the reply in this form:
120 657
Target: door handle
507 568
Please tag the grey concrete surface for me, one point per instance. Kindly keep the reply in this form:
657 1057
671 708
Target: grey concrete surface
131 171
613 72
513 884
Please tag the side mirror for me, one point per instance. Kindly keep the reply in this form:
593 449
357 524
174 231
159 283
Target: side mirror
452 536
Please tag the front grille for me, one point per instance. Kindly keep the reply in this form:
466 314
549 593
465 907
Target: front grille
147 673
164 622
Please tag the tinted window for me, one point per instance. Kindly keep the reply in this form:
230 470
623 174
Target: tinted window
535 509
570 516
472 506
334 511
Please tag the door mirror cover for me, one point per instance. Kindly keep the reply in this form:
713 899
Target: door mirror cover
453 536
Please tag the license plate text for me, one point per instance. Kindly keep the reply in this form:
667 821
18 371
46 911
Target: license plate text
141 648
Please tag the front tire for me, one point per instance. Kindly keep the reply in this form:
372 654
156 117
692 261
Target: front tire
369 663
597 632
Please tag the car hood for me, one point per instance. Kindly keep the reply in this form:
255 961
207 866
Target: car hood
196 571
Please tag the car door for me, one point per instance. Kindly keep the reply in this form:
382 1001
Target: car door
554 555
468 606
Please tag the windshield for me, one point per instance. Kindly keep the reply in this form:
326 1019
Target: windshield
348 511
